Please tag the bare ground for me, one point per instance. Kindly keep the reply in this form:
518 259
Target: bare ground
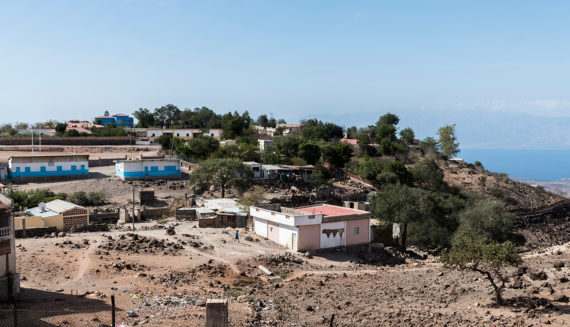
168 285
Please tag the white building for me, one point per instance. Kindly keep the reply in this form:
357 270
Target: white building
184 133
313 227
9 278
42 167
147 168
263 144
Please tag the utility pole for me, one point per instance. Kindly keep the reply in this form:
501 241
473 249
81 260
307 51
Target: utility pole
133 219
32 141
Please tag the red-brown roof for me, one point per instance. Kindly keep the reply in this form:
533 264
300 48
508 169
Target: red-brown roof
330 210
105 117
120 115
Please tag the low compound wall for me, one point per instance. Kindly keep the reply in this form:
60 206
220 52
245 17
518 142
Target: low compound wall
63 140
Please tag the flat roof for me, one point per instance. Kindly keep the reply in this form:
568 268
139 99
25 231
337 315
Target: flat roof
49 157
328 210
38 212
140 160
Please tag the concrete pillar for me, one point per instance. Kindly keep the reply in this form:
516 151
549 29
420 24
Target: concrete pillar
216 313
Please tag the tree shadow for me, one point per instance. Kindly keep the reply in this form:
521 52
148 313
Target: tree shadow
537 304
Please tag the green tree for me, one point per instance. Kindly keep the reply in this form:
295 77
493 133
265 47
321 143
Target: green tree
145 118
400 170
388 119
485 219
428 175
403 205
288 145
234 125
484 257
60 128
314 129
262 120
71 132
167 115
368 168
447 140
407 135
253 197
164 140
222 174
338 154
310 152
106 113
351 132
429 145
202 147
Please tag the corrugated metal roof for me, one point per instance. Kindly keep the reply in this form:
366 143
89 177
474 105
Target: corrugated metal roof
60 206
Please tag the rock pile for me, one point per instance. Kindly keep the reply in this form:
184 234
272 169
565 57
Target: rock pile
135 243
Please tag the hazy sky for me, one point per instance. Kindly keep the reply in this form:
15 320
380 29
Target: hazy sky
295 59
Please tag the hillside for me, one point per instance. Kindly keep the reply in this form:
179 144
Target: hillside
515 195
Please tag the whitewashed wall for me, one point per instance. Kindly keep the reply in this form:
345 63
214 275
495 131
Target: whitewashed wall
260 226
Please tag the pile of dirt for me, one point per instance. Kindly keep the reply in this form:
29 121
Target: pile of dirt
135 243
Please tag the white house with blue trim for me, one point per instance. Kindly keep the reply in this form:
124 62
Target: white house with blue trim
148 168
40 167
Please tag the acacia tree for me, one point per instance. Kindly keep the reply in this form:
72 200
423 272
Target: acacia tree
485 257
223 174
401 204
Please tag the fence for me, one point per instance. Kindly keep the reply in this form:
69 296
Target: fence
58 310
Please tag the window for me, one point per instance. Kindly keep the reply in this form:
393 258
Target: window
73 167
312 217
212 134
59 168
42 168
82 167
351 205
152 134
270 229
356 231
177 134
27 169
187 134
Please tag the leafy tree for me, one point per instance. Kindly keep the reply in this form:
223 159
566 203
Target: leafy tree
5 129
145 118
272 122
479 165
388 119
106 113
272 155
400 170
166 115
262 120
164 141
288 145
279 131
338 154
13 132
407 135
403 205
235 124
223 174
429 145
364 147
310 152
281 121
368 168
484 257
428 175
314 129
351 132
22 125
447 140
386 131
71 132
60 128
485 219
243 151
201 147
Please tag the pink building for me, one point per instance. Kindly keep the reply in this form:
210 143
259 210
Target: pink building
313 227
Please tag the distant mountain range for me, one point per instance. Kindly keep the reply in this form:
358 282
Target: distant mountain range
482 129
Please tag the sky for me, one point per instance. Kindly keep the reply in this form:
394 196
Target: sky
478 64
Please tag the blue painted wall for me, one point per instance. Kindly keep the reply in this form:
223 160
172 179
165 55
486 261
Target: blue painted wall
24 174
153 172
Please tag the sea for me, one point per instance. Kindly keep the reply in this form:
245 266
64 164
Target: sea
545 165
